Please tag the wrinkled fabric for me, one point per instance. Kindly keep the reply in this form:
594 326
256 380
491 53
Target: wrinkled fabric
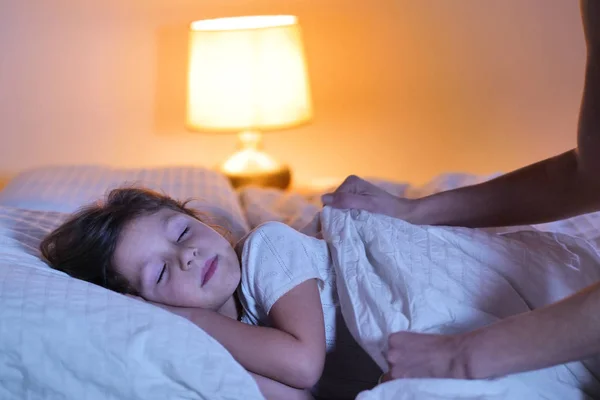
393 276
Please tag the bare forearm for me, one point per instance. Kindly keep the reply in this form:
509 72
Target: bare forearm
559 333
273 390
266 351
292 351
552 189
546 191
588 128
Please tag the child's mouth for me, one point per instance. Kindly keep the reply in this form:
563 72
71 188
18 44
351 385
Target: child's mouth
210 266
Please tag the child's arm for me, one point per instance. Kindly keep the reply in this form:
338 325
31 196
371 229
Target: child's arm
292 352
273 390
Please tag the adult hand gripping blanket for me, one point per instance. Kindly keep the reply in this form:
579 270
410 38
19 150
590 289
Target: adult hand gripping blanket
393 276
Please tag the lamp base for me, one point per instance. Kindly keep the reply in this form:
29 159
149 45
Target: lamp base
252 166
278 179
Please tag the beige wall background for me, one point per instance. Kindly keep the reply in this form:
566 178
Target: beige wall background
403 89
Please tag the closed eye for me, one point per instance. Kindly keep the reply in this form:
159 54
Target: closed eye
185 231
162 272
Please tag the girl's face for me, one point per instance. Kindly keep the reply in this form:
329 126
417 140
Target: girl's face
174 259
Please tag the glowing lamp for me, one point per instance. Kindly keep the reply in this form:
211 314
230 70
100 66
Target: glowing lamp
248 75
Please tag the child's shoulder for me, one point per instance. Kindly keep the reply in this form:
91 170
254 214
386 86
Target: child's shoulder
273 231
274 228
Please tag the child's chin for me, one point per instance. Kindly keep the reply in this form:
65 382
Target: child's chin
194 304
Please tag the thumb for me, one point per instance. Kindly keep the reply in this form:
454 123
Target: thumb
327 199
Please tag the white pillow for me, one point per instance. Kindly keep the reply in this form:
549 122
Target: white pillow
67 188
62 338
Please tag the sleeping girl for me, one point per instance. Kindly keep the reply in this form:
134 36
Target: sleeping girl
270 299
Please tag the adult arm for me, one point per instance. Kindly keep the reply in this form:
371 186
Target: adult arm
559 333
556 188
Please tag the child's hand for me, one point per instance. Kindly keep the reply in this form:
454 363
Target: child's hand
174 310
131 296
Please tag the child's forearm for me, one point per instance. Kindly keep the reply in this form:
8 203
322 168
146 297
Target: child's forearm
273 390
266 351
291 352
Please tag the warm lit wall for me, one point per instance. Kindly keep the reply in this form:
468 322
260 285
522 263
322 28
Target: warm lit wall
403 89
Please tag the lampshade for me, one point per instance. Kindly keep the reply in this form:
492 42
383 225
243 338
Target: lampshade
247 73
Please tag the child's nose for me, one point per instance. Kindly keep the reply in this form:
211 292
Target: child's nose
190 257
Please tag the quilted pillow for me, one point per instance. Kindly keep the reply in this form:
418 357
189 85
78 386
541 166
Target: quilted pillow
62 338
66 188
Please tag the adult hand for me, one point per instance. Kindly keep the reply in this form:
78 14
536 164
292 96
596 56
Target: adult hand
356 193
418 355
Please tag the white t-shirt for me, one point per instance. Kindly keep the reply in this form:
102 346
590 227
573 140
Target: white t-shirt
275 258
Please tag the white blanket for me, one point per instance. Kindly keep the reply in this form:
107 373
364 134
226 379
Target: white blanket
393 276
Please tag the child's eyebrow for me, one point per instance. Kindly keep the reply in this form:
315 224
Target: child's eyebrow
167 221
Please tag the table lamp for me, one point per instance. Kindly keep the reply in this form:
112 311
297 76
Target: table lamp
248 75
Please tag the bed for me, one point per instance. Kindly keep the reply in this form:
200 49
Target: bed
61 338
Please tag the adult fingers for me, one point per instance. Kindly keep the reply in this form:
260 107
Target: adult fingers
352 184
347 201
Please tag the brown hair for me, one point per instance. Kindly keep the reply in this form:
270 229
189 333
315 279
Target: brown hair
84 245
